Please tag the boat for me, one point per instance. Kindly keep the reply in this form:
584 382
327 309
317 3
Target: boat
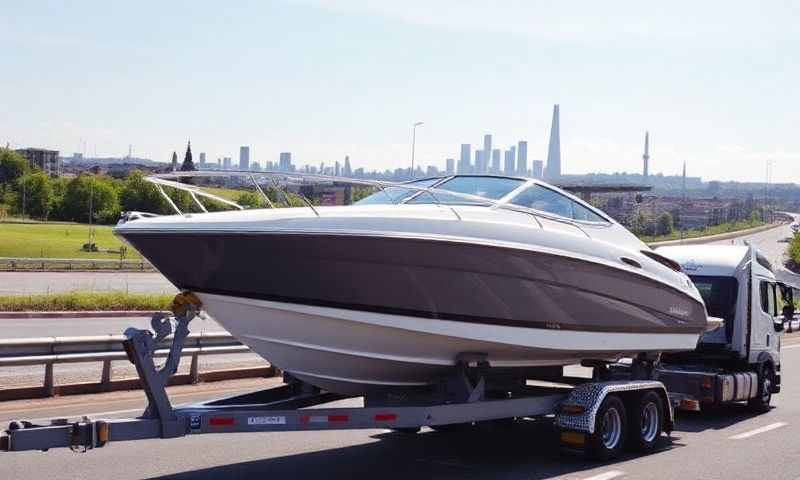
393 290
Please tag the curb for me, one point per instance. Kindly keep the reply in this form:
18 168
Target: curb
720 236
78 314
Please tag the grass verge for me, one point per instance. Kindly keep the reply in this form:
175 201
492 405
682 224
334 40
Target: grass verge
58 240
80 301
706 231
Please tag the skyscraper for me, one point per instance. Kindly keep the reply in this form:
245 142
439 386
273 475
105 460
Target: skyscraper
174 161
450 166
244 158
348 171
509 167
487 147
463 163
226 163
522 158
202 159
285 161
337 169
538 167
553 168
496 161
646 156
479 162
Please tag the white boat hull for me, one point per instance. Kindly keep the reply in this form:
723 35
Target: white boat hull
352 352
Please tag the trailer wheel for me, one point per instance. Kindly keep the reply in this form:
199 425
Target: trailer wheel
646 421
761 402
610 428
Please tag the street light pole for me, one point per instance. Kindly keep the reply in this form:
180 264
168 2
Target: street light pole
413 144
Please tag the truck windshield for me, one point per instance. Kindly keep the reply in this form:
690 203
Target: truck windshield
719 295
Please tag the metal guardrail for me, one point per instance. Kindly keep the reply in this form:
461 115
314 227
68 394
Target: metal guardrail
11 263
49 351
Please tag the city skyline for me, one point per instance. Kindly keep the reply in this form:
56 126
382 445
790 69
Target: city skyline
705 93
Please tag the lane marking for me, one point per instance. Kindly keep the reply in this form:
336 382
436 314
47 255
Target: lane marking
794 345
757 431
607 475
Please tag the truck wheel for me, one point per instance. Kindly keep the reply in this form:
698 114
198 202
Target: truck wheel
610 427
646 422
766 379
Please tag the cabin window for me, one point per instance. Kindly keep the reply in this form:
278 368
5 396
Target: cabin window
719 294
545 200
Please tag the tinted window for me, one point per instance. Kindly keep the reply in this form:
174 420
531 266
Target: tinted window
488 187
768 303
395 194
719 294
543 199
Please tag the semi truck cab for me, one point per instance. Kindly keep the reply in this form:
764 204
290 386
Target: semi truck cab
738 358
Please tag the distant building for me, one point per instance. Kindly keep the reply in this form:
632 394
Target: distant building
255 166
174 161
509 163
538 169
337 169
487 147
553 168
202 159
480 162
285 161
464 161
219 163
495 161
646 156
450 166
226 163
522 158
47 161
244 158
348 171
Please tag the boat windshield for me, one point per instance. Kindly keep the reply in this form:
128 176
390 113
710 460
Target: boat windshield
493 188
546 200
390 195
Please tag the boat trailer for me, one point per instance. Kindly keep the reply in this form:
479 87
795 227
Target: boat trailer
467 397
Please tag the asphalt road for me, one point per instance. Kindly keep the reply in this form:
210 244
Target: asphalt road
728 443
47 282
773 244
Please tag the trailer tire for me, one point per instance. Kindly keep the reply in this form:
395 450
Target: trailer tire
646 422
610 429
763 398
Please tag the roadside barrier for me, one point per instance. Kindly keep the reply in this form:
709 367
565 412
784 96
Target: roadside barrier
11 263
49 351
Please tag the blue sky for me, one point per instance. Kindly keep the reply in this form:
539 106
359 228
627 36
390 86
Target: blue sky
714 82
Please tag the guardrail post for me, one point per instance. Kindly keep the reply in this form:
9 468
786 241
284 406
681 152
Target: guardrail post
194 369
49 383
105 376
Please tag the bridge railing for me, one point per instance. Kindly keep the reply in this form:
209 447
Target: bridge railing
50 351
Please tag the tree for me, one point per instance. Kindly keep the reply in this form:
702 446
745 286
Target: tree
249 200
87 193
12 166
36 193
188 164
140 195
665 224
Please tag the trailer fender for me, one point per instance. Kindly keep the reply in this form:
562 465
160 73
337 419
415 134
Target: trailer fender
578 411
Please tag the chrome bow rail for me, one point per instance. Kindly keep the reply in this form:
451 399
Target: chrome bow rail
279 180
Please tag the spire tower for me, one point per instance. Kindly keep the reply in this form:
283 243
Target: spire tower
646 156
